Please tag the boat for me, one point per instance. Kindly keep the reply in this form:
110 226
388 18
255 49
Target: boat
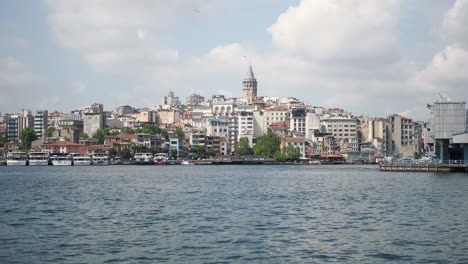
80 159
2 159
203 162
117 160
38 159
17 158
101 159
143 158
61 160
160 159
187 162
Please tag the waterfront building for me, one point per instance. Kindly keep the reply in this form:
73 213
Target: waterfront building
245 126
249 90
94 118
16 123
268 116
401 138
197 138
149 141
297 142
449 122
41 123
342 127
297 120
65 147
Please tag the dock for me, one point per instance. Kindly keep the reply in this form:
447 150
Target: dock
424 167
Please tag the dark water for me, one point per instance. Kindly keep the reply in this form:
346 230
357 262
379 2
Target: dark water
231 214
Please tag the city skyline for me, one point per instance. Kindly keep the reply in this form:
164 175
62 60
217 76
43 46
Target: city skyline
376 59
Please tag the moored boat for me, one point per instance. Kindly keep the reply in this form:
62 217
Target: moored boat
17 158
143 158
61 159
160 159
100 159
38 159
2 159
187 162
80 159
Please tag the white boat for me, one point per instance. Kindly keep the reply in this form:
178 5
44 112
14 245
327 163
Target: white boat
81 159
187 162
17 158
61 160
101 159
143 158
38 159
160 159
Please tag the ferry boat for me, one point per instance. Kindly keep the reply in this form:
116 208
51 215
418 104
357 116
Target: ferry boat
61 160
17 158
160 159
100 159
81 159
143 158
2 159
38 159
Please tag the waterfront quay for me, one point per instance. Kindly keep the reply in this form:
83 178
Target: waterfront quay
452 166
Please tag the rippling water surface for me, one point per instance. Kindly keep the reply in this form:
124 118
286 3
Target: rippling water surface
231 214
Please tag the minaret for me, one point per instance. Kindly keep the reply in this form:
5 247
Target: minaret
249 90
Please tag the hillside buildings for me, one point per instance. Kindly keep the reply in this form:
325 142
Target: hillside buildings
217 123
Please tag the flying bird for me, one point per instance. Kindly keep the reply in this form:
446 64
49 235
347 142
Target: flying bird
196 10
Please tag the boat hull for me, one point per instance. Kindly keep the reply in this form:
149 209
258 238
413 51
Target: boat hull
82 163
38 162
16 162
61 162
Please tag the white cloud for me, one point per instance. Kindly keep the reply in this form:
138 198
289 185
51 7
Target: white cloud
15 75
455 23
340 31
104 31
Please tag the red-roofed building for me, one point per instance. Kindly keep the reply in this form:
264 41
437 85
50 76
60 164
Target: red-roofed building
295 142
63 147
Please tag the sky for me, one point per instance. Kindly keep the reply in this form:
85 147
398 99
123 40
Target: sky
369 57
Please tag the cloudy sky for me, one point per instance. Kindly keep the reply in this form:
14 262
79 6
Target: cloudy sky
366 56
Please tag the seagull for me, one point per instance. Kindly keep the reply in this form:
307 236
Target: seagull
196 10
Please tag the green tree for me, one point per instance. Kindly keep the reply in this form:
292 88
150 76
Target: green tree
184 153
267 145
151 129
279 156
100 151
50 131
115 133
112 152
180 133
243 148
128 131
164 134
101 134
292 153
126 154
2 139
28 135
83 135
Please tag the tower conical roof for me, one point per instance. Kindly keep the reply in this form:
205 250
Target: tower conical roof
250 74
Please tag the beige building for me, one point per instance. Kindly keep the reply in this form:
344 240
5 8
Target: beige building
168 117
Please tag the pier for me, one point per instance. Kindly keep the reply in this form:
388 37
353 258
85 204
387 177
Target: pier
449 166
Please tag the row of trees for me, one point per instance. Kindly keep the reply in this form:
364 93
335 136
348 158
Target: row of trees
267 145
101 134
